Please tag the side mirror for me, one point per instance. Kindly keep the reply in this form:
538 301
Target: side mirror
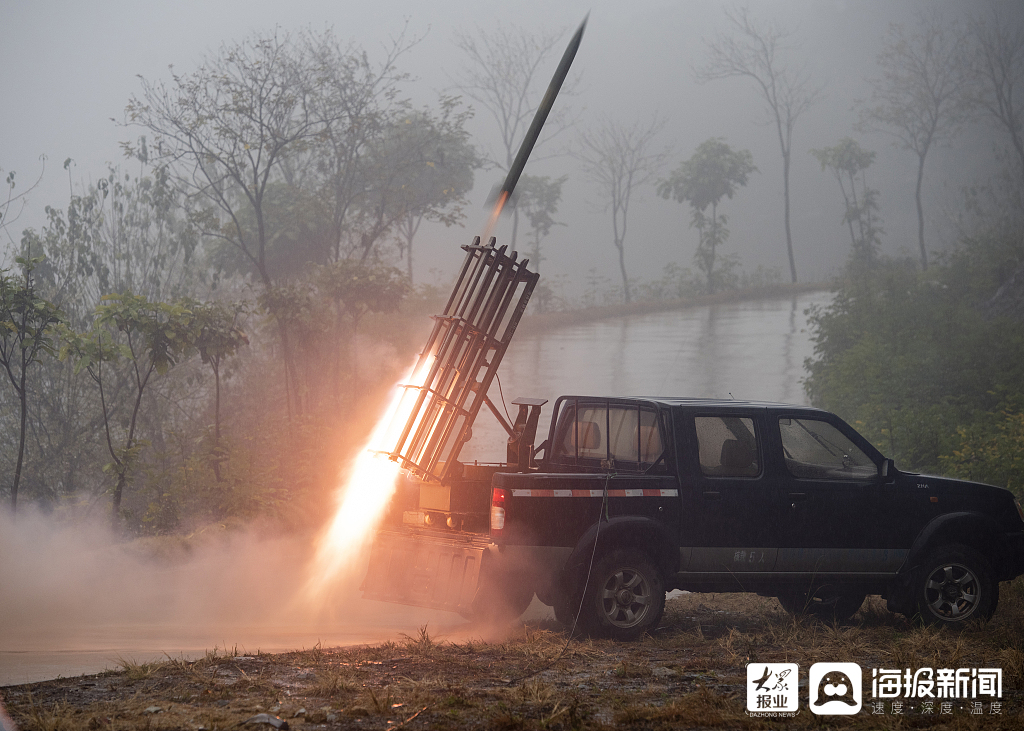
887 471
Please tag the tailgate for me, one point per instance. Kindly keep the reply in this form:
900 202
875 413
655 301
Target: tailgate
440 572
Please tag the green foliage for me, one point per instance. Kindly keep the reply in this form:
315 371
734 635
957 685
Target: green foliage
215 330
848 162
131 339
362 287
714 171
27 331
432 163
183 487
538 198
990 449
915 363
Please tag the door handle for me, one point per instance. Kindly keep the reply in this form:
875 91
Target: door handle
798 496
712 496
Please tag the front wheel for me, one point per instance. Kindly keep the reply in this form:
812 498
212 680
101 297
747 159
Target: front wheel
954 585
625 598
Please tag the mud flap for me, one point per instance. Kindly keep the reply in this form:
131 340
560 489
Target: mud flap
424 571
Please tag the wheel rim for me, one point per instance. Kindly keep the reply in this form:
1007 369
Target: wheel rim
952 592
626 598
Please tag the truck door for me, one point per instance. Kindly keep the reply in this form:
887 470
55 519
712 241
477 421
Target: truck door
835 515
733 498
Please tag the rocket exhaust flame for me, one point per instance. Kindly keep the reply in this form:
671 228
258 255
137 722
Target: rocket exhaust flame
368 488
431 415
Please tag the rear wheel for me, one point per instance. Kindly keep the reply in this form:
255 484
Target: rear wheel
829 602
625 598
955 585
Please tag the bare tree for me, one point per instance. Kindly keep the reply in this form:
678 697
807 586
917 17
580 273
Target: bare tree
620 159
918 97
752 52
506 74
998 75
356 102
224 130
12 204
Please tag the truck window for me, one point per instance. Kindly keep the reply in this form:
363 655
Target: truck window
627 434
816 449
651 447
728 446
590 433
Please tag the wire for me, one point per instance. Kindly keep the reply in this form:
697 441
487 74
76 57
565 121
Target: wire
583 595
502 394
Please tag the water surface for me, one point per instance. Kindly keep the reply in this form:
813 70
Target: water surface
751 350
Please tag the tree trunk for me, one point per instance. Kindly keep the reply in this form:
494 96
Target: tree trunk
789 234
23 398
408 249
920 212
622 268
291 377
124 466
712 242
215 362
850 210
115 513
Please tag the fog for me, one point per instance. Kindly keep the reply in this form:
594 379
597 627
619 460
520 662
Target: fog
75 599
70 69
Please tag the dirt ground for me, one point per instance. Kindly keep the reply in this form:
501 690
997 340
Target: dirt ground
689 673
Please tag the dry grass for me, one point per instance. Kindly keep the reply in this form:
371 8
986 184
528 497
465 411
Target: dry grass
689 673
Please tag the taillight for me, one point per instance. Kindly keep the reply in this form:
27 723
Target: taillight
498 495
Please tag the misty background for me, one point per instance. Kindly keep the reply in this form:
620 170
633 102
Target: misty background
224 226
71 69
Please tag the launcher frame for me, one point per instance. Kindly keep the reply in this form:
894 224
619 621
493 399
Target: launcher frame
467 343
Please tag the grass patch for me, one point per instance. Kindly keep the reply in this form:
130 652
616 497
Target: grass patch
689 673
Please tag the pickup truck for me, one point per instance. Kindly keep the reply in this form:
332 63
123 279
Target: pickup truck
637 496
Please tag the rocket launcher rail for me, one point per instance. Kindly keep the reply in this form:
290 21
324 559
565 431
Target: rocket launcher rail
463 352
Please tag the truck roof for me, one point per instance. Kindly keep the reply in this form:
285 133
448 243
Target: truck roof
717 403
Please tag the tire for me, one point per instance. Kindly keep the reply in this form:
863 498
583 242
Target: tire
625 598
955 585
828 602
